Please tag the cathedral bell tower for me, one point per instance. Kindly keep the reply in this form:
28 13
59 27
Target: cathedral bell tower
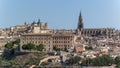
80 22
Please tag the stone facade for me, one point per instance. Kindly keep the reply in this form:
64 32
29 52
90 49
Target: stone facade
49 40
37 39
63 40
97 32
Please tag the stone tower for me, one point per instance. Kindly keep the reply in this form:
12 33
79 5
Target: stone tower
38 22
80 22
46 25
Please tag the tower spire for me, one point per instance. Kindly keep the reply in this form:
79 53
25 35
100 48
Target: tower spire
80 16
80 22
38 21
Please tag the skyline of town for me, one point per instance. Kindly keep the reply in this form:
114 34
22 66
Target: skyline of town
96 14
60 34
58 48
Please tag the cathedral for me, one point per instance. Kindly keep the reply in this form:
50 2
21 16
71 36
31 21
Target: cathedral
93 31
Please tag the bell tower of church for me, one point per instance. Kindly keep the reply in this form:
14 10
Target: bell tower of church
80 22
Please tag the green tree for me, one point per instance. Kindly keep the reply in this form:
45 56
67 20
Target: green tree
24 46
12 63
28 46
117 61
65 49
104 60
0 60
87 61
40 47
17 41
8 54
74 60
88 47
55 48
9 45
118 65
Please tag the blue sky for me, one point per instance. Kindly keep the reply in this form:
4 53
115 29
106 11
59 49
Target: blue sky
61 14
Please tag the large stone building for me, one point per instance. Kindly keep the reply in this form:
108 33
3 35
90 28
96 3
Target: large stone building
63 40
93 31
37 39
35 27
49 40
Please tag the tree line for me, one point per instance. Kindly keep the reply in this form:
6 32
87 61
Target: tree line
104 60
31 46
